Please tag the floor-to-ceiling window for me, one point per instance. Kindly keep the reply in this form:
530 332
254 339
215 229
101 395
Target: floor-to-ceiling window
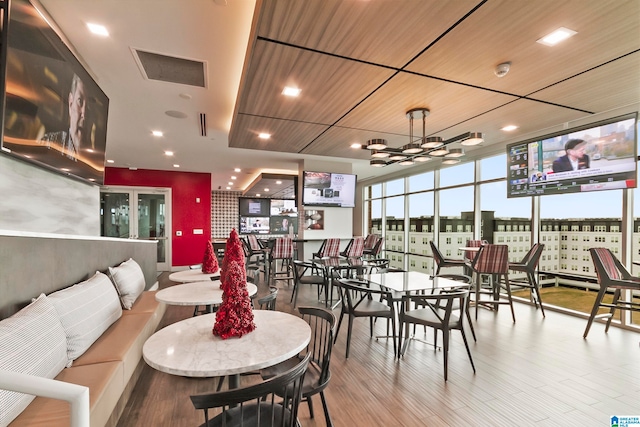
421 225
394 220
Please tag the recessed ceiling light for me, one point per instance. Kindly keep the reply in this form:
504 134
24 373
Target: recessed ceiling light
264 135
266 190
176 166
556 36
233 177
230 183
291 91
97 29
89 150
65 169
509 128
257 194
111 161
356 145
92 179
228 188
157 133
278 182
236 170
168 153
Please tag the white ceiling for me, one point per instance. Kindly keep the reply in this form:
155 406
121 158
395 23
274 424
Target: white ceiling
360 64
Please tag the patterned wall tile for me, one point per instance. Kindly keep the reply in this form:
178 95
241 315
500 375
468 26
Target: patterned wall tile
224 213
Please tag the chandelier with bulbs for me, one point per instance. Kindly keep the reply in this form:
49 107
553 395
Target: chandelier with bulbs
420 150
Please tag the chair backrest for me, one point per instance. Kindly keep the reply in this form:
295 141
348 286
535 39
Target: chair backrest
370 241
437 255
258 404
253 243
283 248
492 259
331 248
607 266
354 292
355 248
447 308
268 302
532 257
470 255
323 325
377 248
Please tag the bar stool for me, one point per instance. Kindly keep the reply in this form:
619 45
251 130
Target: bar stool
283 251
492 261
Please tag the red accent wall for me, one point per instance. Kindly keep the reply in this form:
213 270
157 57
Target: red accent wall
186 214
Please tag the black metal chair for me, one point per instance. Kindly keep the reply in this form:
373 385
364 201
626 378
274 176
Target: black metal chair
268 302
374 252
323 324
528 265
306 273
611 275
442 311
466 283
273 402
442 262
364 299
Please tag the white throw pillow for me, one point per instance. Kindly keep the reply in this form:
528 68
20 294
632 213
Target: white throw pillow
33 342
86 310
128 279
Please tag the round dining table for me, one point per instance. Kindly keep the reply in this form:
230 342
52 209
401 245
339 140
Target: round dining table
185 276
206 293
189 348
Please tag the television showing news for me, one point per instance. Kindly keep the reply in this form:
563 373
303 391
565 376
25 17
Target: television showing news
328 189
600 156
254 207
55 115
254 225
282 225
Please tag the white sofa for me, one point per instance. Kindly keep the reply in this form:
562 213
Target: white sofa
86 339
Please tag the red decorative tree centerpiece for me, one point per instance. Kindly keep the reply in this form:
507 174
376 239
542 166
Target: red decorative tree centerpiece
234 318
210 261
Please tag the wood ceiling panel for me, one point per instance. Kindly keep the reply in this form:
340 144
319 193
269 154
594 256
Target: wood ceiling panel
286 136
337 141
383 32
449 103
330 86
507 31
596 90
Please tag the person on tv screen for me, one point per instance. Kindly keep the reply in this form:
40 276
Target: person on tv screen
574 159
69 141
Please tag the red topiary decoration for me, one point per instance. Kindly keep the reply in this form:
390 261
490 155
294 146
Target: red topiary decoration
210 261
234 318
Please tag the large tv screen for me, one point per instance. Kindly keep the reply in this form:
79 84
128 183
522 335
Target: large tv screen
328 189
254 207
55 115
600 156
254 225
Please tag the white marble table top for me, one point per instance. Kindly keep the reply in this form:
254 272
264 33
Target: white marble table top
411 281
196 293
185 276
189 348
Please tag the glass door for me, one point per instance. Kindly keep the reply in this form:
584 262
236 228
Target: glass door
140 213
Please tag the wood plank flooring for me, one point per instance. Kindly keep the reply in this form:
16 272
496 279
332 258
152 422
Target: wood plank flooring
536 372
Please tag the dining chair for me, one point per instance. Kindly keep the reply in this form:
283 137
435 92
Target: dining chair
442 262
370 242
268 302
611 275
492 263
323 323
375 251
306 273
465 284
528 265
282 251
364 299
354 249
330 248
272 402
443 311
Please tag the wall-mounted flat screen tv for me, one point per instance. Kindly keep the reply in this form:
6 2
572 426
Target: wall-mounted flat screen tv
328 189
55 115
282 224
284 207
254 225
600 156
254 207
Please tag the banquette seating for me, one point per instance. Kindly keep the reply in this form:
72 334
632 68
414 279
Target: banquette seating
90 334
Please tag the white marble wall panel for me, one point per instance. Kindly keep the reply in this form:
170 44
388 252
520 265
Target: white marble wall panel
34 199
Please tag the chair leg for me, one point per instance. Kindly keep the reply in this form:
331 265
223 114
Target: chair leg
445 350
473 332
327 417
616 297
594 310
349 327
310 404
335 338
536 289
466 344
508 287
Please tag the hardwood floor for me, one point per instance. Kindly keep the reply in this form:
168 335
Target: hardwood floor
536 372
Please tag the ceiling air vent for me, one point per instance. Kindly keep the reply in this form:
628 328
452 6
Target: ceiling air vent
170 69
203 124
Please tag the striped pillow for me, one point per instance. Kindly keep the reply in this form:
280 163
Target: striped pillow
33 342
86 310
129 282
